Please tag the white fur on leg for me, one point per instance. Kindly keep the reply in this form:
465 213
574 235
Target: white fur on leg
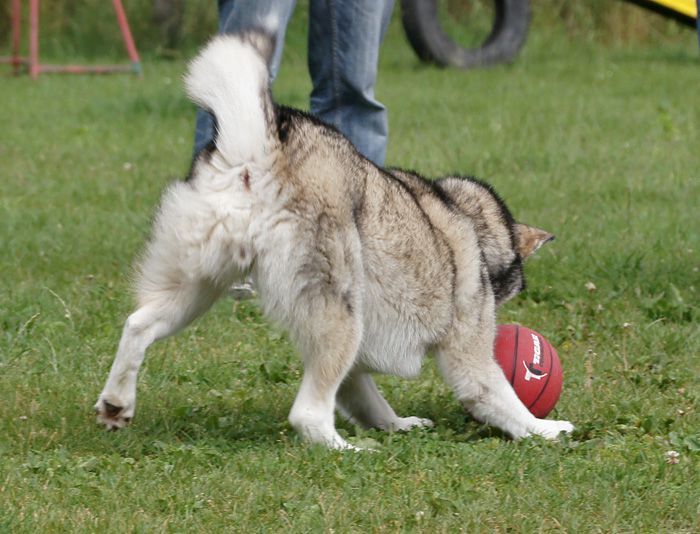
167 313
500 406
407 423
312 416
117 402
484 391
361 403
551 429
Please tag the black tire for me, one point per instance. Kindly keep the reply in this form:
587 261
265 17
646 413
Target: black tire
432 44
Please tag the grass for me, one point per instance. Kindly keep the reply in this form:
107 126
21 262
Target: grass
597 144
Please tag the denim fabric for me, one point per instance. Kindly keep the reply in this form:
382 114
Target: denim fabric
344 40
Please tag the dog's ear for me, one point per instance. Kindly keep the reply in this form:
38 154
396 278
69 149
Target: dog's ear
528 239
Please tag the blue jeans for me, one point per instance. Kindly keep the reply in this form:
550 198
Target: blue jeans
344 40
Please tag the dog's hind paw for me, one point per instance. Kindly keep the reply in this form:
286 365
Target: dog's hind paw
112 415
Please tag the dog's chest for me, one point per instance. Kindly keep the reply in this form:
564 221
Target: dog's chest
391 346
405 362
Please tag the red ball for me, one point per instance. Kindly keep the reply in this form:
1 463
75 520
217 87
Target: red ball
531 365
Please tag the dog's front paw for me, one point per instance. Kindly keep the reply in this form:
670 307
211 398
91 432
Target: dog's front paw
551 429
407 423
112 413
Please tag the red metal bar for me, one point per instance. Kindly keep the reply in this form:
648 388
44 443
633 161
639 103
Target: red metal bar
34 38
84 69
16 34
11 60
126 34
36 68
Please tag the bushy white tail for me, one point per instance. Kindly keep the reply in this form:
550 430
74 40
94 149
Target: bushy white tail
229 78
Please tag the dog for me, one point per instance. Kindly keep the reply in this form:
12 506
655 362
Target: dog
367 268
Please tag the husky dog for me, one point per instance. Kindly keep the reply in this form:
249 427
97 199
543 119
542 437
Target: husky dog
367 268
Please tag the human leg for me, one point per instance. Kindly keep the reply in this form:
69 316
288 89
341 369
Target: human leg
344 40
697 20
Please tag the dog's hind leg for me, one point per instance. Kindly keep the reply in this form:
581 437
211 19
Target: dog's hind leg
467 363
163 313
361 403
329 351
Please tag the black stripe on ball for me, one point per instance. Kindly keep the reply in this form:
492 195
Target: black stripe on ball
549 373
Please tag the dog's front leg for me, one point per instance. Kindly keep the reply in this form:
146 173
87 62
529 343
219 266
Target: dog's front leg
482 388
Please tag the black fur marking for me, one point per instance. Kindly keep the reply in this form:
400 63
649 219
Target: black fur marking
407 189
505 212
358 206
284 123
205 152
505 280
506 216
346 297
453 272
287 116
246 179
431 185
111 409
484 277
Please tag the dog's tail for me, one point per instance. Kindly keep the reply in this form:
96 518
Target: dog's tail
229 78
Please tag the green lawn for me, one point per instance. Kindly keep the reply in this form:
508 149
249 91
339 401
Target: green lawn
597 144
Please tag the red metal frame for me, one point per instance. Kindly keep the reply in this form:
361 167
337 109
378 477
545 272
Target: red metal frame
34 65
16 35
